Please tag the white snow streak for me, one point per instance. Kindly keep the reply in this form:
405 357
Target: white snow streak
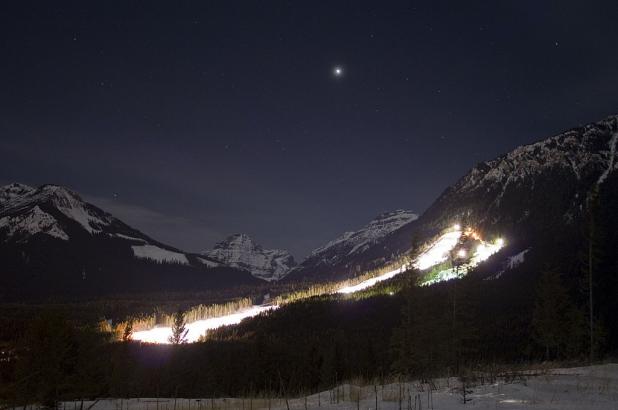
200 327
439 251
370 282
159 254
612 156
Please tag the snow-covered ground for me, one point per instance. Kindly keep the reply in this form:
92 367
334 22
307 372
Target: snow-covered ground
439 251
372 281
594 387
158 254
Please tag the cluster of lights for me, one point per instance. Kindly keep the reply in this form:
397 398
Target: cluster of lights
445 246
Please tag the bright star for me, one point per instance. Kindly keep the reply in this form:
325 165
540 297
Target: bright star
338 71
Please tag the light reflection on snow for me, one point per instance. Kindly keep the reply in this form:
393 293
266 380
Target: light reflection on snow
485 250
439 251
200 327
370 282
482 252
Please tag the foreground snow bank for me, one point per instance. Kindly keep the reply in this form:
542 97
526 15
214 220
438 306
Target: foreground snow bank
594 387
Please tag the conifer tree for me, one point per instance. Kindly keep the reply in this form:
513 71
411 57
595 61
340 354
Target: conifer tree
179 329
556 322
127 333
592 260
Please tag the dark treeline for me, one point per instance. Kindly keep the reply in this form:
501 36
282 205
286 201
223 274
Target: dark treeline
313 344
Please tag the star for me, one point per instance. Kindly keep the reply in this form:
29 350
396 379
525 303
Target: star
338 71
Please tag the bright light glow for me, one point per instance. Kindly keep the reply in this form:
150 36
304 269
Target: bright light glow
484 251
200 327
370 282
439 250
437 253
338 71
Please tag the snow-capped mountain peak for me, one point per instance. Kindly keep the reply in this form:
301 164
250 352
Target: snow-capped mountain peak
357 241
240 251
20 204
348 252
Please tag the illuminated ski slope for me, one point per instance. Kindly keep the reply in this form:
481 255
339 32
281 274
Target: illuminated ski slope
481 253
438 252
200 327
370 282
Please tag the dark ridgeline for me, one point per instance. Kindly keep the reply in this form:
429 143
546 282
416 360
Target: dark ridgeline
556 198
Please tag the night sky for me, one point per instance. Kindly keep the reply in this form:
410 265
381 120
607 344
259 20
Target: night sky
194 120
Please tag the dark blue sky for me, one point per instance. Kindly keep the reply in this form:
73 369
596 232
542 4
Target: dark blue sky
208 118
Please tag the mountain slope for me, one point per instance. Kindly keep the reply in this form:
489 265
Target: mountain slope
241 252
55 243
528 194
534 196
337 258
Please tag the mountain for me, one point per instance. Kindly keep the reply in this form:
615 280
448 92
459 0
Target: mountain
531 194
535 196
337 258
241 252
53 242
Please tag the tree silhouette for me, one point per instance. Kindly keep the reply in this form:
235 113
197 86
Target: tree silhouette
179 329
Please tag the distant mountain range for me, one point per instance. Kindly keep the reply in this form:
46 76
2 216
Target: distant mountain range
54 242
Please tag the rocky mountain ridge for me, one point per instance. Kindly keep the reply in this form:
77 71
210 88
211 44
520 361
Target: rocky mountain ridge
241 252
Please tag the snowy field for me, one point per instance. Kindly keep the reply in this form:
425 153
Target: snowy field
593 387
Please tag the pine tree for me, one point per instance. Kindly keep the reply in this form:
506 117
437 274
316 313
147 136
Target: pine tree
592 239
47 352
179 329
556 322
127 333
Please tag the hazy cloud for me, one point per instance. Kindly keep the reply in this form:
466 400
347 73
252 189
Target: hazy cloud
186 234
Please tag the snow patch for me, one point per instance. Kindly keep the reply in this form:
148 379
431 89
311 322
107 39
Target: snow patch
130 238
514 261
612 156
208 263
161 255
